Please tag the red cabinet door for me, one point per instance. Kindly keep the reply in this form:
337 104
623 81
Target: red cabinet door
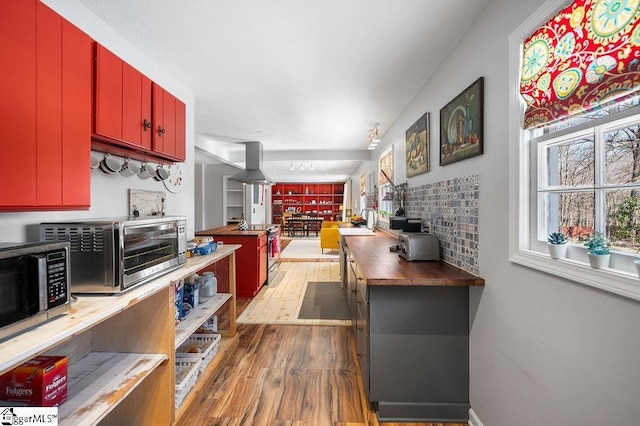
262 260
18 106
122 102
159 126
77 72
169 125
108 96
46 131
48 107
136 107
181 130
250 272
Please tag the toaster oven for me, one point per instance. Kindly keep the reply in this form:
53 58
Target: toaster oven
418 246
113 255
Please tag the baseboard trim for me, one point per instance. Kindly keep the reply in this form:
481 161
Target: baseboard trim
473 419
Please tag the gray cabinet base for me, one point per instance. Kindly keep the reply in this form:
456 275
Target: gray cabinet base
422 412
419 353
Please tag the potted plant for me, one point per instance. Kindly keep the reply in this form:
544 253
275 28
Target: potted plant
598 247
557 243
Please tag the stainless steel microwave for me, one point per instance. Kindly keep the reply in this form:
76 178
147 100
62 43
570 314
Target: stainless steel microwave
113 255
34 284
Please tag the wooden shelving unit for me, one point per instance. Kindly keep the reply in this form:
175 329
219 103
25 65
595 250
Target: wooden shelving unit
323 199
208 306
121 349
97 377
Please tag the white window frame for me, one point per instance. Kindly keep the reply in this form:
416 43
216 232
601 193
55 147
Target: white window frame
522 209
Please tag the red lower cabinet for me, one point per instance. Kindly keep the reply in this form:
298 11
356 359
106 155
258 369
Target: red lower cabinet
46 109
251 260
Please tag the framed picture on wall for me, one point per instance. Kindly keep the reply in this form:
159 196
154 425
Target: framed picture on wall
461 125
417 146
386 167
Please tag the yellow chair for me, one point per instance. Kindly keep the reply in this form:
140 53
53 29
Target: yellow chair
330 223
329 236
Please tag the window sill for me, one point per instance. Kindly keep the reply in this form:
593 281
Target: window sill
618 282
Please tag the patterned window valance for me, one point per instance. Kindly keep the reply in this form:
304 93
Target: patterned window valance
588 55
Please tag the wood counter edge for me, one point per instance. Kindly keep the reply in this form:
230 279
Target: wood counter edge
231 230
458 278
429 282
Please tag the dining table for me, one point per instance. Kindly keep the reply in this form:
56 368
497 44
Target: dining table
304 224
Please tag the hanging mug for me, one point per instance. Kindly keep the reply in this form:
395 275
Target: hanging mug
161 173
110 164
146 171
95 161
129 168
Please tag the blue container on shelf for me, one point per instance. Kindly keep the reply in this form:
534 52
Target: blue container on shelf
206 249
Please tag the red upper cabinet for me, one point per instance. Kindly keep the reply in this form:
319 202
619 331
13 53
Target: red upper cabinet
122 102
136 107
46 118
169 125
18 106
76 116
135 114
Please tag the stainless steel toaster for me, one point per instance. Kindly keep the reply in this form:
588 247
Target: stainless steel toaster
418 246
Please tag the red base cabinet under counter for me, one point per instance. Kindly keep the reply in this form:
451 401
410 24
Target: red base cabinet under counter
251 258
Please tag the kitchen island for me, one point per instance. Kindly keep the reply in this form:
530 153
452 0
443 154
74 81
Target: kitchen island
411 324
252 258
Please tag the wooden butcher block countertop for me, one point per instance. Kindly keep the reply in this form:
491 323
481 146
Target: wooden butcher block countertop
232 230
381 266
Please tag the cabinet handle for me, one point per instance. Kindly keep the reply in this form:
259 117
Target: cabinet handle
146 125
160 131
353 291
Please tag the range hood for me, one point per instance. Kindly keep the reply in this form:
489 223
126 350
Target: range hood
252 172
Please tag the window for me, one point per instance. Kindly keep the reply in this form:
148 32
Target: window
578 175
588 180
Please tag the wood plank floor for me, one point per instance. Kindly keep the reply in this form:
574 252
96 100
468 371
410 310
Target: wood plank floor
279 302
284 375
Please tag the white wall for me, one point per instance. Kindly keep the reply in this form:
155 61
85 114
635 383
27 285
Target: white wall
544 351
209 194
109 192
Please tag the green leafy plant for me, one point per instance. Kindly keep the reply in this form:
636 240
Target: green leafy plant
626 220
597 244
557 238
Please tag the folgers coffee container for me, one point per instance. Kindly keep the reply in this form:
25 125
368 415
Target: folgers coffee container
40 382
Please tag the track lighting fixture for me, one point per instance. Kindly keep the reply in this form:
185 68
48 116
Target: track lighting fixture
374 137
301 167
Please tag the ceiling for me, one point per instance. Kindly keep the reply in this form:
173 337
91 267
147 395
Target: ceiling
307 78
